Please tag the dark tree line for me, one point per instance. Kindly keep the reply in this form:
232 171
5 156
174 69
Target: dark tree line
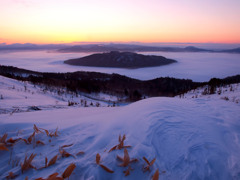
114 84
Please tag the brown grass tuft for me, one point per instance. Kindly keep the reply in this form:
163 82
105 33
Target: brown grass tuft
54 134
27 162
149 164
67 173
126 159
121 143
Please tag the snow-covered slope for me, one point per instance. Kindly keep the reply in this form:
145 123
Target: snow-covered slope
229 93
190 139
18 96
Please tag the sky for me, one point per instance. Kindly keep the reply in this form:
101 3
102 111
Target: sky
66 21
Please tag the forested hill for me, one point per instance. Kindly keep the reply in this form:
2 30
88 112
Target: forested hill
114 84
120 60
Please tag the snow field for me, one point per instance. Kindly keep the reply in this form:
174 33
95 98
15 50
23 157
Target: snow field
190 139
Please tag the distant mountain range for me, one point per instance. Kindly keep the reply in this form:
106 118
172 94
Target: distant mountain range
109 47
29 46
140 48
120 60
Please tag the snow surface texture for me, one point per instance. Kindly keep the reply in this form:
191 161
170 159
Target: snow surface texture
189 65
18 96
191 138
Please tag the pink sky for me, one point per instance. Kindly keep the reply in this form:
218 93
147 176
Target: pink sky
55 21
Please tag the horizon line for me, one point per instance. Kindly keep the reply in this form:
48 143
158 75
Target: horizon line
119 42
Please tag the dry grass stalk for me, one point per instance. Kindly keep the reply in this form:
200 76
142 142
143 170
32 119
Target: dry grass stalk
26 141
3 142
40 178
3 138
156 175
29 139
65 153
126 159
27 163
80 153
98 157
54 134
106 168
119 158
121 144
52 161
67 173
149 164
127 172
36 129
54 177
66 145
11 175
12 141
46 131
3 147
40 142
46 162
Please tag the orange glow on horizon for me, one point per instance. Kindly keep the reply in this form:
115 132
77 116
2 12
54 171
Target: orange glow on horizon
67 21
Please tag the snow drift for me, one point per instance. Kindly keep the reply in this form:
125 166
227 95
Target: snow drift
190 139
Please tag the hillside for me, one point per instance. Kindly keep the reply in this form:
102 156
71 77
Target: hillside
17 96
127 89
191 138
120 60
